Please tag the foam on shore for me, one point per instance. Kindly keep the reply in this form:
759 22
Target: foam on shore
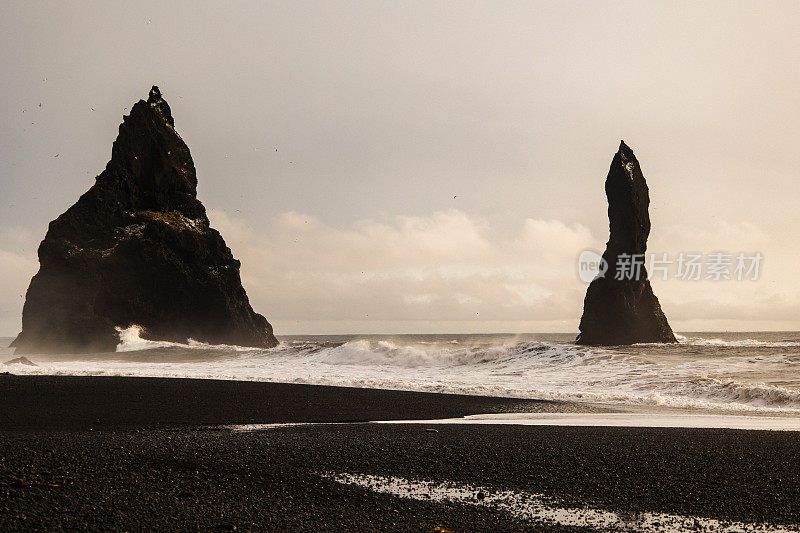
638 420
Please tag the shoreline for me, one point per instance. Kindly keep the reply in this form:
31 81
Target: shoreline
35 402
100 453
48 403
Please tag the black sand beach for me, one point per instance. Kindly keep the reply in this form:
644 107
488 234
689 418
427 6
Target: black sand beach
101 453
42 403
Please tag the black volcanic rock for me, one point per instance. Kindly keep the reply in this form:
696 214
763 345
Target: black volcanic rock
137 248
624 311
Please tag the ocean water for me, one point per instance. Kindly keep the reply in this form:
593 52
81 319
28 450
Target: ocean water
752 373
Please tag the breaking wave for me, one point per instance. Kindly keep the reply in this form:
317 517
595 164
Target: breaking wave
130 340
757 375
739 343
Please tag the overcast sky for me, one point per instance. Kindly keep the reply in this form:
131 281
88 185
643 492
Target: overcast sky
440 166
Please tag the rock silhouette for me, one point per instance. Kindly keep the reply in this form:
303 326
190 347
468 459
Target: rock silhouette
21 361
137 249
624 311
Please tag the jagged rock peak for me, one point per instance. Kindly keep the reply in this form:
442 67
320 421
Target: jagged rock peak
155 95
158 103
137 249
151 167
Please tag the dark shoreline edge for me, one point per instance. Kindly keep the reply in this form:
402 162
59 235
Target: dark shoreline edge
100 453
50 403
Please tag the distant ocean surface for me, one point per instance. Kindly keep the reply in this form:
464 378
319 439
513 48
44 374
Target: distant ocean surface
756 373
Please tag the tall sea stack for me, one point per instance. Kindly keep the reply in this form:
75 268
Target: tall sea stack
624 311
137 249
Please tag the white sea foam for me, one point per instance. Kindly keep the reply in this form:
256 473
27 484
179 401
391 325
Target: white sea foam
539 508
641 420
760 375
738 343
130 340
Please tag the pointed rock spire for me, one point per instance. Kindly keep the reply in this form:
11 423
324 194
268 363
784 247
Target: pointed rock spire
624 311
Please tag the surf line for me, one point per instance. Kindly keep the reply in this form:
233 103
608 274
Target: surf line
244 428
641 420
